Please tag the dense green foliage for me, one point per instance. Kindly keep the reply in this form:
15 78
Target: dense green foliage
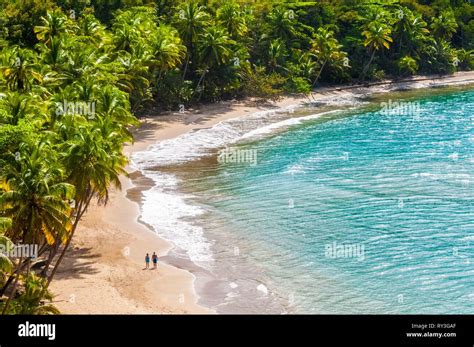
180 52
74 72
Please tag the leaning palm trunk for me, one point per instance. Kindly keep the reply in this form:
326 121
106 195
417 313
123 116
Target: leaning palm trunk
15 285
21 266
52 254
319 74
366 68
186 66
200 81
83 205
188 58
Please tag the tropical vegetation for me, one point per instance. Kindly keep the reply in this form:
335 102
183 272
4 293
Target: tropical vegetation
76 74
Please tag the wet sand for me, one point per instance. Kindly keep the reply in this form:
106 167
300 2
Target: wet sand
103 272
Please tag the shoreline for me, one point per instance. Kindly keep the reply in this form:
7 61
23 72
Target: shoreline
103 271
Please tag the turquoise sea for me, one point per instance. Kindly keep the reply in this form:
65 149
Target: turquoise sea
361 210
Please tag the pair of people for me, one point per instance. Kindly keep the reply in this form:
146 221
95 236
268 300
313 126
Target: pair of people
154 259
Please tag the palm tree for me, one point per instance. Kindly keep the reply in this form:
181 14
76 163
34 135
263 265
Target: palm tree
134 79
124 36
92 29
85 89
114 103
84 61
94 159
145 50
410 29
34 196
306 65
190 21
277 55
282 24
444 26
54 24
36 201
5 223
168 51
55 54
31 301
231 17
327 50
21 70
214 50
15 106
6 265
377 37
142 19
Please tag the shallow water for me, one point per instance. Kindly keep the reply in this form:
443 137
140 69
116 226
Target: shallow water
354 212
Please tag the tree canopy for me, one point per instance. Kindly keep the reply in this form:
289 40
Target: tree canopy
75 74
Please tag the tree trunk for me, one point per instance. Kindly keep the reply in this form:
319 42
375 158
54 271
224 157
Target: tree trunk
51 256
20 265
186 67
188 57
362 75
200 81
12 294
319 74
11 278
80 211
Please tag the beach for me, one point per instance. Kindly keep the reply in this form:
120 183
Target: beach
103 272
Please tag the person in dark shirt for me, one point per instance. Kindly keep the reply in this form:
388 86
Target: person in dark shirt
155 260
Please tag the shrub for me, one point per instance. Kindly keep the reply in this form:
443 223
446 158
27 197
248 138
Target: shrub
408 65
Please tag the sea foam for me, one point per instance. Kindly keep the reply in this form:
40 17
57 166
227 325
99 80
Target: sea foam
164 207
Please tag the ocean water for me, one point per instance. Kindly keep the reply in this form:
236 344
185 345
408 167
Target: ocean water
354 209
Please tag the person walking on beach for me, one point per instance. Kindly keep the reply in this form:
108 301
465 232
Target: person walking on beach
147 261
154 257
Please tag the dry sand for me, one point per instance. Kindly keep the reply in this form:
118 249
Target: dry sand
103 272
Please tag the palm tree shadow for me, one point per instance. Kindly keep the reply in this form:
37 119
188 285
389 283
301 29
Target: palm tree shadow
77 263
146 130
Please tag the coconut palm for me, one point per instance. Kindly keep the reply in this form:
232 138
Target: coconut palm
277 55
34 196
15 106
36 200
376 37
124 36
214 47
5 223
94 159
6 244
306 65
231 17
114 103
167 50
85 89
134 79
410 30
32 300
54 24
283 24
91 29
444 26
22 70
84 62
190 21
55 54
328 51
